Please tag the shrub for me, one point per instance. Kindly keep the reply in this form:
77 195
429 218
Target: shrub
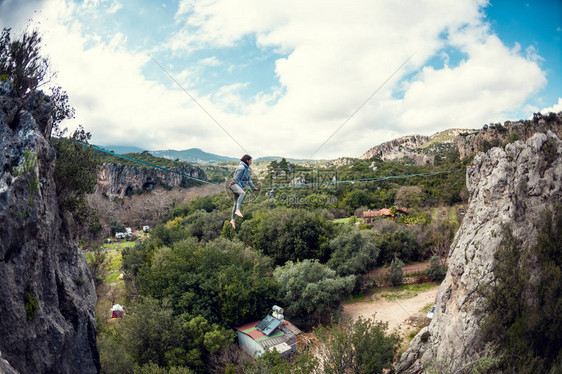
311 292
353 252
435 269
116 226
522 317
394 275
31 305
363 346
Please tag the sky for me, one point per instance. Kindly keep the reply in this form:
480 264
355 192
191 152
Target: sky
303 79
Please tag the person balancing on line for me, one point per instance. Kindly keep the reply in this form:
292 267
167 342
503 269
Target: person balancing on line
240 179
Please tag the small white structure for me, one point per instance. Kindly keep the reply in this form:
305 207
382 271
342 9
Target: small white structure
273 332
145 228
431 312
117 311
120 235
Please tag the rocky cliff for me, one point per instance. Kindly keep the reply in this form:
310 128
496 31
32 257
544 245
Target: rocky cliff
118 181
510 186
421 149
397 148
47 295
495 135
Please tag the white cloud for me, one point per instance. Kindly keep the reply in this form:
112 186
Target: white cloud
337 54
114 7
555 108
210 61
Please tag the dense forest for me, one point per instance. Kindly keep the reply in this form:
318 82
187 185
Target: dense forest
196 278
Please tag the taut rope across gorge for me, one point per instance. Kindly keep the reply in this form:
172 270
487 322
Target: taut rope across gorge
171 170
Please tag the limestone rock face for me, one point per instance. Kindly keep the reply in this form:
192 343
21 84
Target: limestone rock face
397 148
494 135
118 181
511 186
47 295
421 149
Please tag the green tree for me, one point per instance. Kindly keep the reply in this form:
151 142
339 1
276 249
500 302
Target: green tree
353 252
408 196
116 226
394 275
76 171
524 304
356 199
271 362
21 61
153 335
435 269
203 225
363 346
221 280
288 234
401 244
311 292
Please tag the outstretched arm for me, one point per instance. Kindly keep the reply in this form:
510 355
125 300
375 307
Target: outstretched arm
252 185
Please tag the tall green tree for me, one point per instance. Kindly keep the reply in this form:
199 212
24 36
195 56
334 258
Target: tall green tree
311 292
288 234
353 252
76 170
152 335
364 346
394 275
221 280
21 61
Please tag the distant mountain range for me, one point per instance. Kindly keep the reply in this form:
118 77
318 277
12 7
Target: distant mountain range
193 155
279 158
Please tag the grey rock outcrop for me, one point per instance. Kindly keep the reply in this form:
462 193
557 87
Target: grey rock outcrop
397 148
511 186
419 148
47 295
496 134
118 181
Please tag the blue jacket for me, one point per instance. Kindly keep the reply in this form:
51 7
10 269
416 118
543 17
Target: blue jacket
242 176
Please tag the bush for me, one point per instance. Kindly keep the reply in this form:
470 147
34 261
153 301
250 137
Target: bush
153 338
311 292
222 280
97 262
394 275
116 226
400 244
353 252
21 61
287 234
523 311
363 346
435 269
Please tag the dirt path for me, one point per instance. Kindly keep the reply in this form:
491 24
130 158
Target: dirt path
408 269
395 312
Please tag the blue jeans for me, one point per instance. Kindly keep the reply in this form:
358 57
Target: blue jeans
238 197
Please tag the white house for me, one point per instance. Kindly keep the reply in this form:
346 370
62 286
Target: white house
273 332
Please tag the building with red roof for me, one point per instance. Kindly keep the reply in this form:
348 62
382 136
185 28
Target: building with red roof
273 332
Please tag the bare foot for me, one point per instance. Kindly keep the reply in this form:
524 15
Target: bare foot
238 213
233 223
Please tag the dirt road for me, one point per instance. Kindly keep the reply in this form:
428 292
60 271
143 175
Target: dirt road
408 269
395 312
